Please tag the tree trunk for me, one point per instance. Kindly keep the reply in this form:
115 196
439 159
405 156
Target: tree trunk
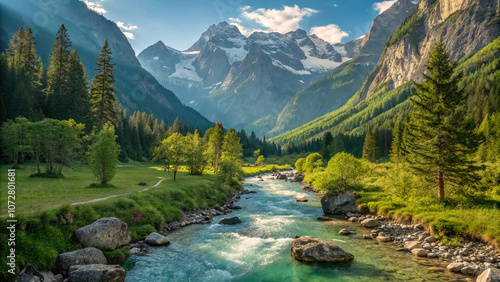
440 182
175 174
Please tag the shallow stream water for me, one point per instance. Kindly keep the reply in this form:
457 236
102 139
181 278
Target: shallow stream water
259 248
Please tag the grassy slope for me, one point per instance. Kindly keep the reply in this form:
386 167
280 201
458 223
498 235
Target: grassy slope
476 217
381 107
40 201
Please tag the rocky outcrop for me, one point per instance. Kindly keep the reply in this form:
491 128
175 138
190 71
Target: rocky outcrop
301 200
344 232
96 272
106 233
310 249
339 204
474 25
88 255
157 239
230 221
29 274
323 218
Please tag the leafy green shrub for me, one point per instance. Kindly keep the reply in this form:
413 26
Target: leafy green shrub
448 227
344 171
118 255
299 163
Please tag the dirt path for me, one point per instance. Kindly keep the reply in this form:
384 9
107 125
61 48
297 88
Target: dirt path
112 196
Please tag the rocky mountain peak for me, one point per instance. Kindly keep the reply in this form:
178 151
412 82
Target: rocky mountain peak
222 34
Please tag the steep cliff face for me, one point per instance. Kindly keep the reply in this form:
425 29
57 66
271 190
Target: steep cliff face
335 89
464 26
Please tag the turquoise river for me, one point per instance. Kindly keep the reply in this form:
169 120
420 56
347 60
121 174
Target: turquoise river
259 248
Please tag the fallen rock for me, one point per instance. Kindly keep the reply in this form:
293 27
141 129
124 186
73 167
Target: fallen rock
469 270
432 255
339 204
430 239
383 238
96 272
310 249
50 277
157 239
419 252
235 207
302 200
230 220
281 176
402 250
353 219
367 236
106 233
369 223
323 218
29 274
413 245
455 266
489 275
344 232
84 256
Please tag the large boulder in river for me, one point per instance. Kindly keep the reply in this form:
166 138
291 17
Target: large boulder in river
96 272
310 249
230 221
339 204
107 233
88 255
489 275
157 239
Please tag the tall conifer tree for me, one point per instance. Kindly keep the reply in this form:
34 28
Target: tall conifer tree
103 107
440 139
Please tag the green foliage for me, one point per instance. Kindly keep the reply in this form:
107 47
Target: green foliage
215 141
172 151
343 172
299 164
313 162
412 23
196 155
118 255
440 137
370 146
443 227
260 160
103 154
140 232
103 107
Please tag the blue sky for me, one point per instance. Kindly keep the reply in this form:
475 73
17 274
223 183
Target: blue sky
180 23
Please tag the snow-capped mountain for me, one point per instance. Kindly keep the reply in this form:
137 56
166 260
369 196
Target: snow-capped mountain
230 77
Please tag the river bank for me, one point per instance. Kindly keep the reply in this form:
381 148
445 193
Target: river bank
259 246
461 255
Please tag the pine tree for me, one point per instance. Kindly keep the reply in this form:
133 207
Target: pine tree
440 139
103 106
231 147
77 99
370 146
215 141
58 76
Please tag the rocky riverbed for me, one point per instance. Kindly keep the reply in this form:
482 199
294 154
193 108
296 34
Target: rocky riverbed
472 258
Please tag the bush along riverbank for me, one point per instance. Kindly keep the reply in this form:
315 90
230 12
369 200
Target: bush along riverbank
437 240
42 237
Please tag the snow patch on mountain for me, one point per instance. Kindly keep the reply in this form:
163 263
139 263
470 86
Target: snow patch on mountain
317 64
235 54
290 69
186 70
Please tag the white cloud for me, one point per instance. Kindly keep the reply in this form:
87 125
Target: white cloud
128 27
330 33
95 6
129 35
274 20
382 6
235 20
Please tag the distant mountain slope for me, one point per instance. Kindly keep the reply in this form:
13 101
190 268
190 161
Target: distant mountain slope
465 30
244 81
136 88
332 91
